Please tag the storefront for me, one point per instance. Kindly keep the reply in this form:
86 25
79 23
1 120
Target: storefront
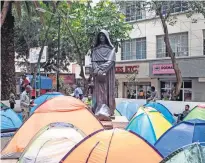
193 72
133 80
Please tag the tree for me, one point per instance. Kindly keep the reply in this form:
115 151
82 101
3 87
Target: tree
87 22
167 17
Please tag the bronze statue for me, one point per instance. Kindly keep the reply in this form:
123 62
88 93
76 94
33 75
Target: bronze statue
103 65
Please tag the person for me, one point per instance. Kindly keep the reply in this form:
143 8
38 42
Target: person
183 114
25 82
25 103
12 100
89 101
103 72
153 95
78 93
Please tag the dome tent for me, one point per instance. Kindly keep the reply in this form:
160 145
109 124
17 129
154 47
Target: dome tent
9 119
41 99
184 133
149 124
108 146
60 109
193 153
197 112
52 143
127 109
162 109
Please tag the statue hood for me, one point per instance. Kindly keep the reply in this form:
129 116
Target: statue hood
106 35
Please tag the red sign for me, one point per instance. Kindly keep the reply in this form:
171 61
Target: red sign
126 69
162 69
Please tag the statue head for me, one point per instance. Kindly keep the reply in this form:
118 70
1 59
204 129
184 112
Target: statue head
103 38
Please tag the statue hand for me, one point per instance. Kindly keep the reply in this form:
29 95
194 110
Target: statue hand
100 72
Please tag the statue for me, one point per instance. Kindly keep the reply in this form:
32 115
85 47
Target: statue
103 66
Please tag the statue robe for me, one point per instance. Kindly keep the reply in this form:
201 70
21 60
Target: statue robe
103 58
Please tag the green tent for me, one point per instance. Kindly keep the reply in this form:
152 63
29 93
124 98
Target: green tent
194 153
198 112
117 113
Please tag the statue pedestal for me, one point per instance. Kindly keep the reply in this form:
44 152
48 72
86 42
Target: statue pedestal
119 122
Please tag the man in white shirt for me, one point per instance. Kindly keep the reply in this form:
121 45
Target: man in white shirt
25 102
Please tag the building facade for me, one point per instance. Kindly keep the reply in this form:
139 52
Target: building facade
142 61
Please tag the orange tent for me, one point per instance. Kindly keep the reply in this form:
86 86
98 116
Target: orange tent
59 109
111 146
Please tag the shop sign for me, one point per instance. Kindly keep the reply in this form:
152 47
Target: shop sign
126 69
162 69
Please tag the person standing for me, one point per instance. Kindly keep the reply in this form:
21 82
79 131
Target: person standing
25 82
153 95
12 100
25 102
78 93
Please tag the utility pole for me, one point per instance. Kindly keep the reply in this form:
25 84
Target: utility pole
57 75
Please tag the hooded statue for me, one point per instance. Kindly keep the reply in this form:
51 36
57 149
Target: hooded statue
103 65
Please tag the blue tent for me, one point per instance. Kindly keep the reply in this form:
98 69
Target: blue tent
41 99
162 109
127 109
46 82
9 120
182 134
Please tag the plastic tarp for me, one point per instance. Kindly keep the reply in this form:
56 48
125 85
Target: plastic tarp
197 112
149 124
9 119
182 134
46 82
194 153
112 146
51 144
127 109
41 99
162 109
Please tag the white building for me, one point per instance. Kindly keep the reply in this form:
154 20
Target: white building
145 52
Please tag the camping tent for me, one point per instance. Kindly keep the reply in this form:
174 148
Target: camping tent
193 153
112 146
117 113
127 109
52 143
148 123
182 134
9 119
198 112
41 99
162 109
59 109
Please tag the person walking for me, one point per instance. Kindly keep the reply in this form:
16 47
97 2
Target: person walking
12 100
153 95
25 102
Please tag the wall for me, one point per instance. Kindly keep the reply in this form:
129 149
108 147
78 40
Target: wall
198 90
151 28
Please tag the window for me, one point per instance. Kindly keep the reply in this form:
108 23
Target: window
133 11
179 45
174 6
185 92
134 49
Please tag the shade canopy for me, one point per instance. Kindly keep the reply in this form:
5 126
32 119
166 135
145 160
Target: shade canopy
193 153
149 123
41 99
162 109
182 134
112 146
52 143
127 109
59 109
198 112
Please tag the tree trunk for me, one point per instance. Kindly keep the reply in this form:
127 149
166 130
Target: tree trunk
8 82
171 54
